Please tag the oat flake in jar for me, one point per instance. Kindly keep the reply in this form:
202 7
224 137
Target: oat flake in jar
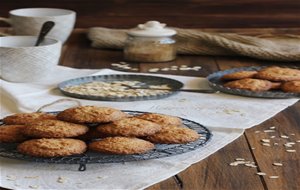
150 42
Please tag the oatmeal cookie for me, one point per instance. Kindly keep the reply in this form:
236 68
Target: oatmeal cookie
161 119
130 127
12 133
174 135
239 75
52 147
291 86
250 84
25 118
91 114
121 145
54 129
278 74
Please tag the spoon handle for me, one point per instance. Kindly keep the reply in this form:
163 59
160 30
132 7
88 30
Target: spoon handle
47 26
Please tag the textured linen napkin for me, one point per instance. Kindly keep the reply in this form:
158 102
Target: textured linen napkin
225 115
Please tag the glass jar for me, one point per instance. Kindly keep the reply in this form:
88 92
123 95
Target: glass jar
150 42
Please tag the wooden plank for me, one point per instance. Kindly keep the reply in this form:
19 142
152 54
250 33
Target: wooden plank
215 172
286 123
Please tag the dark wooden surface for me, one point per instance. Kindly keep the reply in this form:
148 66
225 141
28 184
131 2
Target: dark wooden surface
179 13
214 171
251 17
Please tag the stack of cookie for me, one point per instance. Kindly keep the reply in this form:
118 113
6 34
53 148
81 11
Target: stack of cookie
269 78
113 131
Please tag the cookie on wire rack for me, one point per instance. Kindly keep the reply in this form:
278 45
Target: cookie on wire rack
161 119
291 86
250 84
12 133
174 135
130 127
52 147
54 129
26 118
121 145
279 74
91 114
239 75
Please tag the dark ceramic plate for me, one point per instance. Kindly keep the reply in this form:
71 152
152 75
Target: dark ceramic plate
9 150
216 83
146 80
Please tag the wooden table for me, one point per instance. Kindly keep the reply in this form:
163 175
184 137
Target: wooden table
214 172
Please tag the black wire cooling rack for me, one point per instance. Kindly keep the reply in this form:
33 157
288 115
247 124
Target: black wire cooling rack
9 150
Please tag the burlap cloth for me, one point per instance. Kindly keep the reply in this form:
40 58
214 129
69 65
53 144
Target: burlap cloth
197 42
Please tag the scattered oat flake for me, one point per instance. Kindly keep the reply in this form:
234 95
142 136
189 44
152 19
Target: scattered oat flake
293 134
266 144
298 141
273 127
273 177
284 136
269 131
288 145
277 164
239 159
61 179
265 140
290 150
250 165
237 163
272 137
261 173
275 144
253 148
291 143
33 186
257 132
153 70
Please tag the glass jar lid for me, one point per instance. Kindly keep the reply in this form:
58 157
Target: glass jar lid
152 29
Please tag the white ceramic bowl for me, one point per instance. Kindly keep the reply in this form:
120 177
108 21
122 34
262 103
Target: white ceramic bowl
21 61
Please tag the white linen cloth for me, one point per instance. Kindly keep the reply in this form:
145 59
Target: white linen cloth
225 115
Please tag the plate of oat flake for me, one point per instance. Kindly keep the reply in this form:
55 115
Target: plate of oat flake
120 87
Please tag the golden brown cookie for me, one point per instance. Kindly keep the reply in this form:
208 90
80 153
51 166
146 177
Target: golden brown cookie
239 75
12 133
250 84
174 135
278 74
161 119
91 114
130 127
54 129
25 118
291 86
121 145
52 147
